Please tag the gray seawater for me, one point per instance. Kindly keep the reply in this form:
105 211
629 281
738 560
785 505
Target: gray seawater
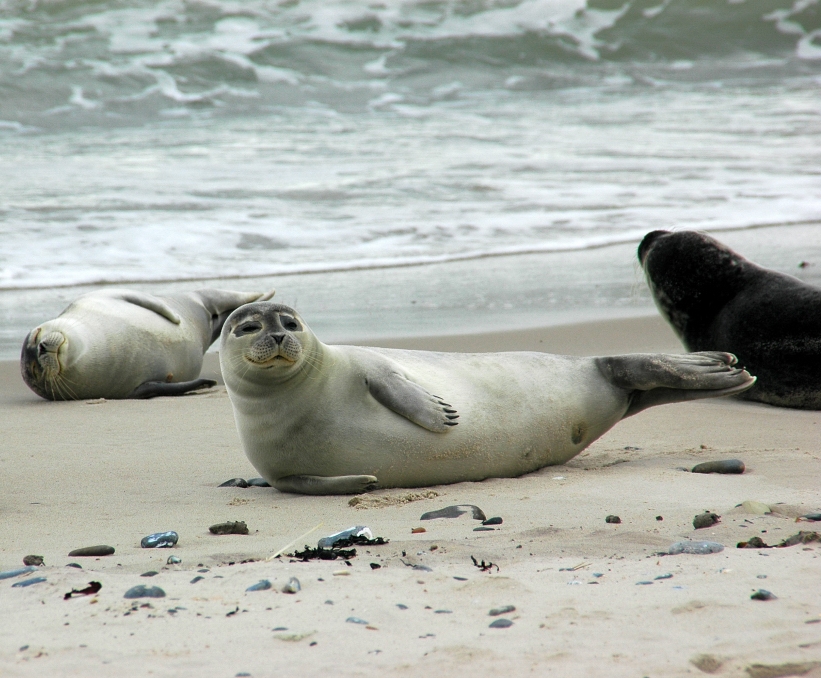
399 167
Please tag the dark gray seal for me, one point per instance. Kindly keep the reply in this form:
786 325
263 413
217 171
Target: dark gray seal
716 300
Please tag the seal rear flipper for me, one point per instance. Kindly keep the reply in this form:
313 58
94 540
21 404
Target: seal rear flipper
405 397
326 484
150 303
153 389
641 400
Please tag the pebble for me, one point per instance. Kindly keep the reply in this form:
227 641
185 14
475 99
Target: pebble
500 624
664 576
91 551
292 586
643 583
238 527
455 512
761 576
762 594
814 517
173 560
150 573
8 574
357 531
461 578
401 606
356 620
29 582
196 579
418 530
694 547
724 466
496 611
612 519
483 529
753 543
341 573
77 565
261 585
258 482
375 566
705 519
159 540
493 521
144 592
234 482
33 560
443 612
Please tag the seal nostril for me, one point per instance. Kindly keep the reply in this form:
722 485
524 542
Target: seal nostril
279 337
41 349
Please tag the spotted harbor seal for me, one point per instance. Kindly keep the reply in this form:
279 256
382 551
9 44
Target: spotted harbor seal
318 419
119 343
716 300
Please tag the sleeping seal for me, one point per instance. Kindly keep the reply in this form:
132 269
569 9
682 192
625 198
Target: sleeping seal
119 343
716 300
320 419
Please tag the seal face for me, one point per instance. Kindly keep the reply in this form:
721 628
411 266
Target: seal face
716 300
321 419
127 344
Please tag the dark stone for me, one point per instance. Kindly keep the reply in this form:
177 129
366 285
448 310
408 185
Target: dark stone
724 466
261 585
375 566
150 573
33 560
322 554
196 579
91 551
500 624
493 521
142 591
659 518
612 519
461 578
643 583
762 594
159 540
753 543
814 517
28 582
234 482
455 512
706 519
77 565
443 611
496 611
258 482
356 620
238 527
483 529
401 606
664 576
800 538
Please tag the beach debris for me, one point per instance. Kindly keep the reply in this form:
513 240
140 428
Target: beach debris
360 535
755 507
707 663
375 566
159 540
292 542
780 670
659 518
800 538
723 466
763 594
341 573
612 519
706 519
500 624
28 582
258 482
493 521
455 512
36 561
150 573
292 586
418 530
415 566
496 611
92 588
356 620
694 548
381 501
91 551
234 482
753 543
322 554
237 527
142 591
173 560
261 585
484 566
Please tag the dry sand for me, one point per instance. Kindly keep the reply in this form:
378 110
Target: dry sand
84 473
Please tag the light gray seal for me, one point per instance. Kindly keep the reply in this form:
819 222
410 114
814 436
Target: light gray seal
319 419
119 343
716 300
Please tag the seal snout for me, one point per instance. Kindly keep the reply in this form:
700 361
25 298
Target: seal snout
274 346
647 241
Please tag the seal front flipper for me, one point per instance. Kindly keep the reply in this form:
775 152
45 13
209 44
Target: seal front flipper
400 394
150 303
326 484
153 389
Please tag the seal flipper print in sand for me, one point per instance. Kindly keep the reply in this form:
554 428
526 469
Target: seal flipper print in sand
121 343
716 300
320 419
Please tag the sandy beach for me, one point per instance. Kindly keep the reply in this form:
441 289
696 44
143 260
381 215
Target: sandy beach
591 598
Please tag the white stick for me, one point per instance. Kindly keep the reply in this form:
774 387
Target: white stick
291 543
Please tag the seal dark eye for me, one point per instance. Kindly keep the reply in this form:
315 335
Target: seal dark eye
248 328
289 323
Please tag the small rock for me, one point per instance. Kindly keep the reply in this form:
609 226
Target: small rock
496 611
91 551
356 620
800 538
500 624
705 519
664 576
33 560
493 521
234 482
173 560
150 573
724 466
707 663
761 576
28 582
292 586
375 566
159 540
144 592
196 579
694 548
762 594
401 606
443 611
612 519
483 529
814 517
238 527
418 530
8 574
261 585
455 512
77 565
643 583
753 543
659 518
